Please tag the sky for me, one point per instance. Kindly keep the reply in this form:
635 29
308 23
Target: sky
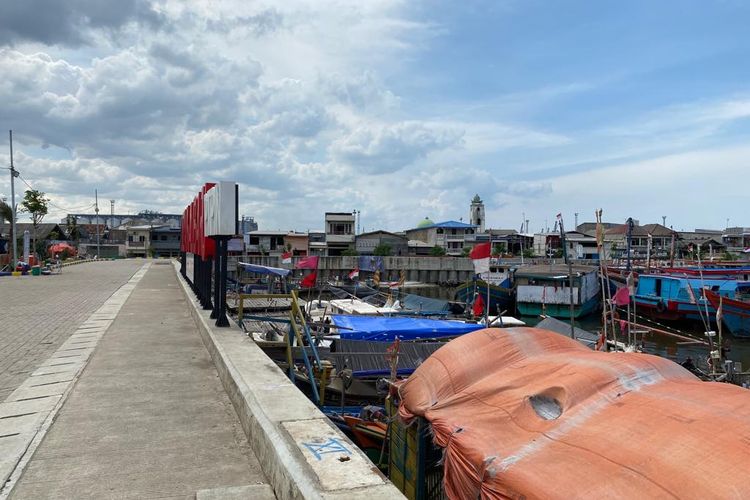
398 109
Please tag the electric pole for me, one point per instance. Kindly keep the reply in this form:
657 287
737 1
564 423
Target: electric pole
96 204
13 175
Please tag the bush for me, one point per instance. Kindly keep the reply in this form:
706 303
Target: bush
383 250
437 251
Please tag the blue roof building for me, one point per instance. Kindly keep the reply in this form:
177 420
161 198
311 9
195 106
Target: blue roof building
450 235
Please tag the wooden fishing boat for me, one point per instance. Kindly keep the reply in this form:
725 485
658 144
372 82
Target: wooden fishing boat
735 314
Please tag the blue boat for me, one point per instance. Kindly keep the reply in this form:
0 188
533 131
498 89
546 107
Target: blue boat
681 298
735 313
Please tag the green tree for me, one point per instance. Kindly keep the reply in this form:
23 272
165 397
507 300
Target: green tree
498 249
350 252
37 205
465 251
72 226
6 214
437 251
528 253
384 250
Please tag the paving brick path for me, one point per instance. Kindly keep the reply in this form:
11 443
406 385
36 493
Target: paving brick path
38 313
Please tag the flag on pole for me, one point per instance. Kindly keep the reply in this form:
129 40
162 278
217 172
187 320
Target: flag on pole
308 263
286 258
480 256
478 308
354 274
309 280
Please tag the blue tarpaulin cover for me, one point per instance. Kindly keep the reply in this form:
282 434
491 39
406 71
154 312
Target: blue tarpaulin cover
385 329
252 268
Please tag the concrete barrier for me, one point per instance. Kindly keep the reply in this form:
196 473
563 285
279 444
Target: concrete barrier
301 452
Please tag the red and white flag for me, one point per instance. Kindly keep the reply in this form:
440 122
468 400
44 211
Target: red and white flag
286 258
480 256
354 274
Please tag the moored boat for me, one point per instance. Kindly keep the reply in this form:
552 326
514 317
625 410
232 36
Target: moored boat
545 290
735 314
679 298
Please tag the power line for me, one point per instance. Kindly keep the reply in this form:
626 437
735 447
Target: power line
69 210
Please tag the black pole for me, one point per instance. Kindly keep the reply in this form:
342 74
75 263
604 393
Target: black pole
183 258
630 237
221 319
216 278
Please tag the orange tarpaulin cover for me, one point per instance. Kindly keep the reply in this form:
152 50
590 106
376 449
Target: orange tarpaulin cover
529 413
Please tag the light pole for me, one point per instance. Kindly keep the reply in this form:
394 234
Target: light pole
13 175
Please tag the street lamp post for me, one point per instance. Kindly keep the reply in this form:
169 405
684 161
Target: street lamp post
13 175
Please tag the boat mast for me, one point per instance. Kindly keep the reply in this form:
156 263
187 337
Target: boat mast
570 276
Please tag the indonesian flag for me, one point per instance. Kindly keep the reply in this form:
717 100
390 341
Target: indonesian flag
480 255
286 258
308 263
354 274
309 280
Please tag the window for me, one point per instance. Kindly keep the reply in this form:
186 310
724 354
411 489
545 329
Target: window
339 228
453 231
141 238
254 240
440 231
130 238
163 237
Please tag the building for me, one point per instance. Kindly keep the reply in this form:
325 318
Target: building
504 241
339 227
138 240
476 213
116 220
265 242
546 244
452 236
709 241
316 243
165 242
736 239
247 225
297 243
581 246
366 243
652 240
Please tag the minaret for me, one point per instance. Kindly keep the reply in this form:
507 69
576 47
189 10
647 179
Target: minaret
476 213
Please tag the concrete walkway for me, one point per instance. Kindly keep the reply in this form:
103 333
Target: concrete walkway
148 417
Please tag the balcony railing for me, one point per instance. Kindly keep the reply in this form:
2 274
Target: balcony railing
136 244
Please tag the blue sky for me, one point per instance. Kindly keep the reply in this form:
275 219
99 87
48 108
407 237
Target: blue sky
398 109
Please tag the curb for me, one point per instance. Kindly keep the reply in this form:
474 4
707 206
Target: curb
301 453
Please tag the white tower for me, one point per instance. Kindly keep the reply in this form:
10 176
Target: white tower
476 213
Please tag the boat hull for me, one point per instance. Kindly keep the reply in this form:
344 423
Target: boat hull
735 314
558 310
500 297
